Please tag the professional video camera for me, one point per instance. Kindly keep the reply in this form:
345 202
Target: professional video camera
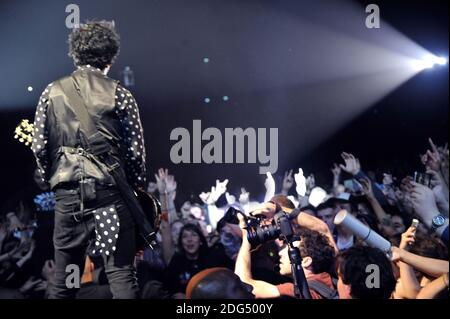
260 230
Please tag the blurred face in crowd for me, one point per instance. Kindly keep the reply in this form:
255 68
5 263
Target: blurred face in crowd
186 209
398 225
340 206
231 238
327 215
285 262
191 243
362 209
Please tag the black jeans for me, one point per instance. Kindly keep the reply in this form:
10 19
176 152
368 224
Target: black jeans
74 233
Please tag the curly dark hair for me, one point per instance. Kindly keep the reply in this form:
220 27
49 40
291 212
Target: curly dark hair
315 245
352 265
95 43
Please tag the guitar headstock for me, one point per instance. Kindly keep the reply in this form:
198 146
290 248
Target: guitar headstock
24 132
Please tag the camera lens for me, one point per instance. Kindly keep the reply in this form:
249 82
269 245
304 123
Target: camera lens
261 234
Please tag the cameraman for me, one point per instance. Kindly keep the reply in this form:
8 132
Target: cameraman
318 257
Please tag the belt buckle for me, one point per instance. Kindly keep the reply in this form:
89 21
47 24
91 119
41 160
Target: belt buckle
80 151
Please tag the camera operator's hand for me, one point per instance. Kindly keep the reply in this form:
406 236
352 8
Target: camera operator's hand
267 209
352 165
242 224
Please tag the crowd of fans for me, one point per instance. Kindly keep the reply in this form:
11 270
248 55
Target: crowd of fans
204 251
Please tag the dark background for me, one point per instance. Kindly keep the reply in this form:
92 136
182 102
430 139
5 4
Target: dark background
165 41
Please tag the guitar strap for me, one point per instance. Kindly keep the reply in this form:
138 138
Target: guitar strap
97 145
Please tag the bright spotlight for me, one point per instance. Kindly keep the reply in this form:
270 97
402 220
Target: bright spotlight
440 60
428 62
419 65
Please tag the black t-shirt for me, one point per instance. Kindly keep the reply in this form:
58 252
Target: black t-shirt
181 269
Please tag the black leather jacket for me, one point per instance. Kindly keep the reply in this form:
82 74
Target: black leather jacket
57 136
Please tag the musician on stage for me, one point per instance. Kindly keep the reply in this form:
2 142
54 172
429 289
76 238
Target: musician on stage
91 215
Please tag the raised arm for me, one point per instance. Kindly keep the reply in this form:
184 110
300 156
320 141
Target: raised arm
261 289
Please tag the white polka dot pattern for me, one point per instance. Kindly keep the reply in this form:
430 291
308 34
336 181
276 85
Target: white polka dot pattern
106 235
40 134
128 113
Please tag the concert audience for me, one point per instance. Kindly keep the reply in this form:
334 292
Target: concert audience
202 242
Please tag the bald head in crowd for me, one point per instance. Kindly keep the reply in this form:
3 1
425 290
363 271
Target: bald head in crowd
218 283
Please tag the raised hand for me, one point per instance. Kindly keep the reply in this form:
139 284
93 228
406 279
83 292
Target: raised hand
300 180
440 190
310 183
432 158
367 187
269 183
423 202
336 170
231 199
288 181
244 197
408 238
161 180
352 165
171 184
221 188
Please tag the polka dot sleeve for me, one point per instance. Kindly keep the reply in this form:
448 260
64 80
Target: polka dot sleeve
133 135
40 135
